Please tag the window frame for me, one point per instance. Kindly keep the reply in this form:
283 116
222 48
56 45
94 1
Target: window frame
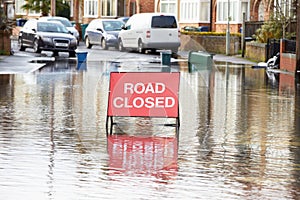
236 15
91 8
190 11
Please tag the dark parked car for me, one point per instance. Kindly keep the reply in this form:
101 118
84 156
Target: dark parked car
66 22
48 36
103 32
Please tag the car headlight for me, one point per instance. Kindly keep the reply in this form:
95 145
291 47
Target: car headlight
76 34
74 40
111 37
47 39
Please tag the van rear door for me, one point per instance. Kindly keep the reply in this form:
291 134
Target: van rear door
164 28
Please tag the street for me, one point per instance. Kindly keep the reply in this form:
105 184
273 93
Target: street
238 136
27 61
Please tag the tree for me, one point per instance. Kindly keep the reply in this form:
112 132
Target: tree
271 29
44 6
284 13
275 27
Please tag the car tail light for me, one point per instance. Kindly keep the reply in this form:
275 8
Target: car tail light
148 34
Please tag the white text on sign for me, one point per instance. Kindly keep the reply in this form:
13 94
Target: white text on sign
143 89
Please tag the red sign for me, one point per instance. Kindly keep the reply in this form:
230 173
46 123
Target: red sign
143 94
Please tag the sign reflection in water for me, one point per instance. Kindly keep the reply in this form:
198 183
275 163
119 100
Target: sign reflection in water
239 138
136 155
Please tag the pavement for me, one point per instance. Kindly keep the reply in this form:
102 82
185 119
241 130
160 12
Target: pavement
22 62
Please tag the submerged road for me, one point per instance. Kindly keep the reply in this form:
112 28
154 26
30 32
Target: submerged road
28 61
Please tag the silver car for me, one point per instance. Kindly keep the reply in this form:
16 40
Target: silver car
103 32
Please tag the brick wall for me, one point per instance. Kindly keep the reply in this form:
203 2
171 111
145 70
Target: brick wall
256 51
5 44
288 62
212 44
146 6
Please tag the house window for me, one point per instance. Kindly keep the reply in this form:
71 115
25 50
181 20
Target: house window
109 8
168 6
204 11
236 9
194 11
18 5
244 9
91 8
286 7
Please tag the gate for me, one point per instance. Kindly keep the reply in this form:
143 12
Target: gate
273 47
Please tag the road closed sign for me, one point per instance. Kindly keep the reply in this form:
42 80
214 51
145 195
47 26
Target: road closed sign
143 94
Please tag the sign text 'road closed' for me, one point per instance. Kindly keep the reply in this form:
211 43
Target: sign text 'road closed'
153 94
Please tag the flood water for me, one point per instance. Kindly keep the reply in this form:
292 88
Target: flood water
239 137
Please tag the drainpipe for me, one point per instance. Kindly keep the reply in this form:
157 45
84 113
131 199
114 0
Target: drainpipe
297 72
228 31
211 15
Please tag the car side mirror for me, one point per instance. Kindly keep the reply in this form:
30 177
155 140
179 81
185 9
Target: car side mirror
99 29
34 30
70 32
124 27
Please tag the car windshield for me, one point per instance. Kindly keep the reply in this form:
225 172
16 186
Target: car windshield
112 25
164 22
51 27
66 23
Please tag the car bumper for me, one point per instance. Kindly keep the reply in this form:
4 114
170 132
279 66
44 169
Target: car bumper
63 47
48 48
162 45
112 43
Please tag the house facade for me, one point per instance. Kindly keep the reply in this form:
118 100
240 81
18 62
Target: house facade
212 13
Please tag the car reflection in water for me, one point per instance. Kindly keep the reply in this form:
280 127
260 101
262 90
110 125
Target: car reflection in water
62 65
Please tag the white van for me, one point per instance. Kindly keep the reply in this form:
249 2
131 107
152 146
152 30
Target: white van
150 31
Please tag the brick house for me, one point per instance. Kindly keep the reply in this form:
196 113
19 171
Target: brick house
212 13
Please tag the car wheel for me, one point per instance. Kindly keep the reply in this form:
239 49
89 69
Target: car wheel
72 54
141 47
103 44
20 45
55 53
36 47
121 47
87 43
175 51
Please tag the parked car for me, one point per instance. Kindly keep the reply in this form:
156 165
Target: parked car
196 29
150 31
124 19
103 32
203 28
66 22
48 36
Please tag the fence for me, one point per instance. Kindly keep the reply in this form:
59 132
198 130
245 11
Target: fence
252 26
290 46
273 47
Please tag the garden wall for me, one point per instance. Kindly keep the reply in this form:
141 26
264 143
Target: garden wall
256 51
211 44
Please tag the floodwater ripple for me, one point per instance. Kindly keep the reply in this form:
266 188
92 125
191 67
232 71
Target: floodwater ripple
239 138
